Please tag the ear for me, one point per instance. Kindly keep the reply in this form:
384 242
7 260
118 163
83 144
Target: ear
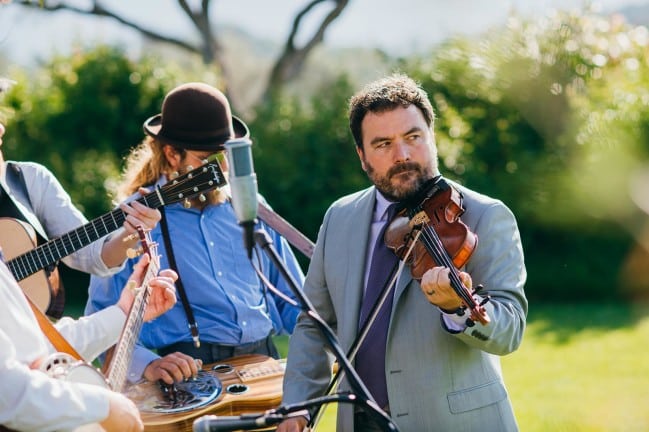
172 156
361 156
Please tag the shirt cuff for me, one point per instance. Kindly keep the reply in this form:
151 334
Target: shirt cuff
453 323
142 357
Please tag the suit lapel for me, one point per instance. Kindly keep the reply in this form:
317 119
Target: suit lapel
402 283
354 258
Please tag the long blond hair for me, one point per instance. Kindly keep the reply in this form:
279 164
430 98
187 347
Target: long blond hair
144 166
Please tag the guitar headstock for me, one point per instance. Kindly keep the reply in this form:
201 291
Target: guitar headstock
146 245
195 182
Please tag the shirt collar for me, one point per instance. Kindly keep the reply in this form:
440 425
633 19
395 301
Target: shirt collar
381 207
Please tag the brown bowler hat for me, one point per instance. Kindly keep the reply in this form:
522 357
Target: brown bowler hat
196 116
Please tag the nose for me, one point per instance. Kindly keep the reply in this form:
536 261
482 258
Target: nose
400 152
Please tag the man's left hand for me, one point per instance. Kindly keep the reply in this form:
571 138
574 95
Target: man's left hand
436 286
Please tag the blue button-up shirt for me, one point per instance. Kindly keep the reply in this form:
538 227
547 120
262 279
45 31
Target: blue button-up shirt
231 305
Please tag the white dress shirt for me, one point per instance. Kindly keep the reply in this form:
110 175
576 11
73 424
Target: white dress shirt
29 399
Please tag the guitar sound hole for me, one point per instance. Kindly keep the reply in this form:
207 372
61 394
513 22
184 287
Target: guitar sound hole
222 368
237 389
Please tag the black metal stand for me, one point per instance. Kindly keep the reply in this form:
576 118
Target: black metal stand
361 395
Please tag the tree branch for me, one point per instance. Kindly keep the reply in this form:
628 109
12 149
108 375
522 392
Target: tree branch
99 10
292 60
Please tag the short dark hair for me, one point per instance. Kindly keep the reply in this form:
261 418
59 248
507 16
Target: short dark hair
386 94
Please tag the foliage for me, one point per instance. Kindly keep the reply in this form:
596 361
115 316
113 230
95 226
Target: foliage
304 154
527 116
79 116
550 115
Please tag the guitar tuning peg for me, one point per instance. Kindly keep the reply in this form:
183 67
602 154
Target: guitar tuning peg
202 198
174 175
134 252
187 204
130 237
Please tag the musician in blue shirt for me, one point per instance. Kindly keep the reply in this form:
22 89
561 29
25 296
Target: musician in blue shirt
234 312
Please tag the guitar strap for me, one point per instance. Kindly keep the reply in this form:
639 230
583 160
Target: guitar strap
54 336
266 214
191 321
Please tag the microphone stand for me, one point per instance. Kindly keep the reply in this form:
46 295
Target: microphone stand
362 396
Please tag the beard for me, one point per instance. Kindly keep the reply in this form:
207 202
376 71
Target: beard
397 186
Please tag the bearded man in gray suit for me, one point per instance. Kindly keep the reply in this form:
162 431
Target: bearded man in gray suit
438 370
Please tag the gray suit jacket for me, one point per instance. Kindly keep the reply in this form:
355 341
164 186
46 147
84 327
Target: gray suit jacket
437 380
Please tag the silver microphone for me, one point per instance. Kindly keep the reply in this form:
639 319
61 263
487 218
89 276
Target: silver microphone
243 187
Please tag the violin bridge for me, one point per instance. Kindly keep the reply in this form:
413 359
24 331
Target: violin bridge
419 219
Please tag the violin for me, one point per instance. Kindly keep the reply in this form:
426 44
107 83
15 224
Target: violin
442 239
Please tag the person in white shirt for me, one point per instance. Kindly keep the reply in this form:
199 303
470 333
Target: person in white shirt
31 400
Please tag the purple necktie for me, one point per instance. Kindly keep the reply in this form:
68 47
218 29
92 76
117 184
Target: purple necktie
370 358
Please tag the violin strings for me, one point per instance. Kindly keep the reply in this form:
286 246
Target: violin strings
434 243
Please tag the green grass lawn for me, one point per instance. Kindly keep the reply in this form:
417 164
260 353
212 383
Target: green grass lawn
581 368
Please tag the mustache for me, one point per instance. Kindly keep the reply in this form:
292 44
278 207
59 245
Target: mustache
403 167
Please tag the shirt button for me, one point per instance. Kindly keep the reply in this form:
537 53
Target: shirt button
244 323
211 243
219 273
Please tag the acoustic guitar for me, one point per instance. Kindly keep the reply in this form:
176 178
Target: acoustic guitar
244 384
24 259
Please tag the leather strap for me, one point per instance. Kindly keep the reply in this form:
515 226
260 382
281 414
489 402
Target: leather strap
193 325
55 337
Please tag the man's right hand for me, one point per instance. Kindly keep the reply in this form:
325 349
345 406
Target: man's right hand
174 367
295 424
123 415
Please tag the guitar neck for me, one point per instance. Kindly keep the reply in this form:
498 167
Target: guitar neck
51 252
199 180
118 366
123 354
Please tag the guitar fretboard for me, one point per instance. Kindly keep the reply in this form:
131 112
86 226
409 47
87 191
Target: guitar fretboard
49 253
124 349
199 180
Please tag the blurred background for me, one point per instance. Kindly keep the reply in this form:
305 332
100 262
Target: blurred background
542 104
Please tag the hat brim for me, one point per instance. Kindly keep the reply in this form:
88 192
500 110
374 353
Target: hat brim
153 125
